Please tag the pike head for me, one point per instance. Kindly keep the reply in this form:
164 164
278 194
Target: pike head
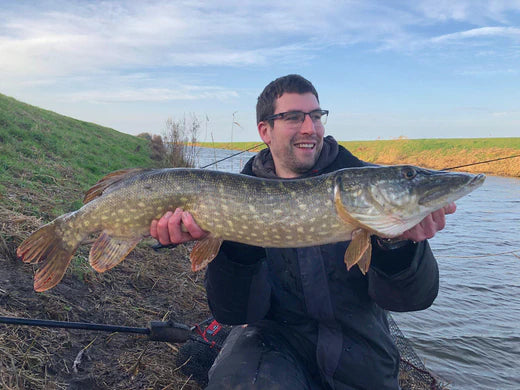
387 201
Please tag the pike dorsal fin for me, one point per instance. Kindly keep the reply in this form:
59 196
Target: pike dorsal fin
204 251
109 180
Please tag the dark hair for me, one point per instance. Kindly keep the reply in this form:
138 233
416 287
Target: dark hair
292 83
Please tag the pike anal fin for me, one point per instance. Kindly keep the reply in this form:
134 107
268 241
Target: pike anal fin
359 251
204 251
107 251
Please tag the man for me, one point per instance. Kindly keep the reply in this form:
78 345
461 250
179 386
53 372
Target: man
311 323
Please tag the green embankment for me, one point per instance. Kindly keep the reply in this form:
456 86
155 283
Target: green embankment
47 160
431 153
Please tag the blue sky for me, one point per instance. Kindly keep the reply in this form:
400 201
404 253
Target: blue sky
384 69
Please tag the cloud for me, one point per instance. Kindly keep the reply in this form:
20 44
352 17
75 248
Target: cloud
107 35
150 94
476 12
67 38
504 32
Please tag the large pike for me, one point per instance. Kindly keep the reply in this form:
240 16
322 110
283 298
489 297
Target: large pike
349 204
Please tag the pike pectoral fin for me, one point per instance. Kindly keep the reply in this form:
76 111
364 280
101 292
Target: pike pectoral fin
364 262
359 251
204 251
107 251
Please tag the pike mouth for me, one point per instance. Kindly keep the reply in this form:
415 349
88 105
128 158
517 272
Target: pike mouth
477 180
444 193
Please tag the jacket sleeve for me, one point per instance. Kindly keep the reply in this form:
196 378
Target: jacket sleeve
236 284
404 279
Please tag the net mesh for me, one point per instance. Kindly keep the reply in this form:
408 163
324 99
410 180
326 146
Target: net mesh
196 356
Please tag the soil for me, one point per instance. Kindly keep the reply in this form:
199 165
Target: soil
147 286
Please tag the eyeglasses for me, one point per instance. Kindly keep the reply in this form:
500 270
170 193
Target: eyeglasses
296 118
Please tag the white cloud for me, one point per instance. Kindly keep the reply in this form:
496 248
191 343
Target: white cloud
149 94
67 38
476 12
505 32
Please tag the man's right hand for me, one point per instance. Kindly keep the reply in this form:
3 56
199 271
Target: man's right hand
176 228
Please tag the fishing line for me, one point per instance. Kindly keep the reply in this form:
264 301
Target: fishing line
233 155
481 162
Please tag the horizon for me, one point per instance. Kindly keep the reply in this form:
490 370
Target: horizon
413 69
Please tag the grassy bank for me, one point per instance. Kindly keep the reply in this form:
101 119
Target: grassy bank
41 152
431 153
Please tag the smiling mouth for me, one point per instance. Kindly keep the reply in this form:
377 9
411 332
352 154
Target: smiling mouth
305 146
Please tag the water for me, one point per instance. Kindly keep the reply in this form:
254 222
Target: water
471 334
470 337
206 156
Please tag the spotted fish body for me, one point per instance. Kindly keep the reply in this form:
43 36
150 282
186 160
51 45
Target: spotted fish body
351 203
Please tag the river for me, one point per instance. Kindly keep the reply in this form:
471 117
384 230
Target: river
470 336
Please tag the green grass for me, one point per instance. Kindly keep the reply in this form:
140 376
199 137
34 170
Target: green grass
44 155
411 146
407 146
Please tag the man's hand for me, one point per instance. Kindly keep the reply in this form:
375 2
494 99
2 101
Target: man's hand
430 225
176 228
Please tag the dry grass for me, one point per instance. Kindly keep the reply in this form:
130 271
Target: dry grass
509 167
447 154
146 286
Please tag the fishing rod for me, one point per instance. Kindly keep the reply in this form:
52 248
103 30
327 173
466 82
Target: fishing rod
233 155
168 331
481 162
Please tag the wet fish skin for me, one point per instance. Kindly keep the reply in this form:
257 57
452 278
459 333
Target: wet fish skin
271 213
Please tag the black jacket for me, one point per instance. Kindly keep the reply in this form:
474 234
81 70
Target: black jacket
339 313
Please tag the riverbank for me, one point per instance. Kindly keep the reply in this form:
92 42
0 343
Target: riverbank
429 153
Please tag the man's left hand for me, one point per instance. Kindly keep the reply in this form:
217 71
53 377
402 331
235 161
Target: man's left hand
430 225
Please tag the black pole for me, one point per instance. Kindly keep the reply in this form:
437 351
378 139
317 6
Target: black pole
157 331
73 325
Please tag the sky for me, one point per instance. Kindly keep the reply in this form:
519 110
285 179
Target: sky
384 69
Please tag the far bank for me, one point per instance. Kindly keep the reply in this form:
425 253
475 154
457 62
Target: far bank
440 153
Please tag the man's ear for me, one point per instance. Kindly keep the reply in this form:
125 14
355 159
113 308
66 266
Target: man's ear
264 130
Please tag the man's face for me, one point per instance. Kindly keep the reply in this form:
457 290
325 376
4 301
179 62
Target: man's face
295 150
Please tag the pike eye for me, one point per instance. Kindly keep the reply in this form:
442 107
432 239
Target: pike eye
409 173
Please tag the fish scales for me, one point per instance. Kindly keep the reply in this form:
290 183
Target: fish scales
283 214
265 212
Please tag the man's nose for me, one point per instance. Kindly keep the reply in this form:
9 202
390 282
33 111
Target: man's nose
308 126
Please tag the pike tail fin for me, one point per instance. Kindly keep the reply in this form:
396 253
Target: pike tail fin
46 246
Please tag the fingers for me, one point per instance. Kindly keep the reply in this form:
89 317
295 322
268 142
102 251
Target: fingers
163 233
450 208
176 228
194 230
430 225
